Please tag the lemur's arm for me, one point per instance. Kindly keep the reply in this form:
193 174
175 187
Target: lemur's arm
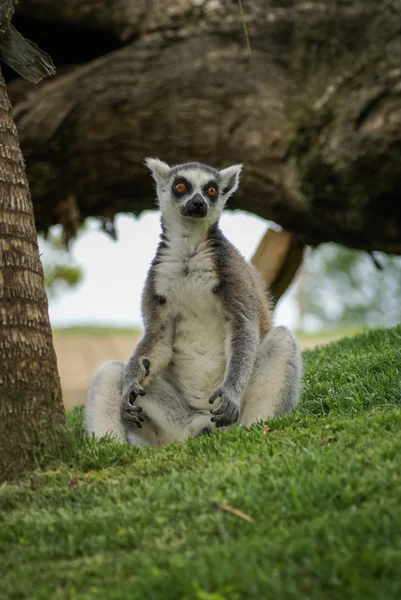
243 299
152 355
244 344
154 351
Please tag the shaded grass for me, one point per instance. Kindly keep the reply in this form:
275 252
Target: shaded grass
103 520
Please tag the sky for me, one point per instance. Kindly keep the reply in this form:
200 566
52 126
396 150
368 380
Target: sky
114 272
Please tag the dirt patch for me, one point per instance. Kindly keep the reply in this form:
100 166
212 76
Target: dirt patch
79 355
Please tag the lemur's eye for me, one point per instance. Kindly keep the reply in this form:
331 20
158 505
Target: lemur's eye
180 187
211 190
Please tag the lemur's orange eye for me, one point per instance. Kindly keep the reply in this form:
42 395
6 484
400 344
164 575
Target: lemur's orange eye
181 188
211 190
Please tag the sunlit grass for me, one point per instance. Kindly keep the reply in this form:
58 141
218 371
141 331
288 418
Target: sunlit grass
322 489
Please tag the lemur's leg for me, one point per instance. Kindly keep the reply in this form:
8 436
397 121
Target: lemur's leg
103 406
151 356
161 417
273 387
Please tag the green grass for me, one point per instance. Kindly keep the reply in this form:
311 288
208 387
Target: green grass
323 487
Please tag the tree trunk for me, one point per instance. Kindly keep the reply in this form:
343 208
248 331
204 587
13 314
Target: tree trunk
31 410
314 114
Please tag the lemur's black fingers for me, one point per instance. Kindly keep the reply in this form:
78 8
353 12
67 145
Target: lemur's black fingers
136 417
132 417
139 426
137 391
216 394
223 407
226 414
146 364
135 409
220 421
224 422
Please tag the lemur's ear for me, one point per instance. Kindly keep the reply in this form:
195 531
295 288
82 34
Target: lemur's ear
229 179
159 169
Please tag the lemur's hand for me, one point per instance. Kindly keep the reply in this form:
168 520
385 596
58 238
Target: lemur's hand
129 412
133 415
228 411
135 372
131 389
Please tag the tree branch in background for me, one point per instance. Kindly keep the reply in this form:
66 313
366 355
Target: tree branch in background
315 114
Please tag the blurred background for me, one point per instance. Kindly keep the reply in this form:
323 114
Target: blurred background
306 95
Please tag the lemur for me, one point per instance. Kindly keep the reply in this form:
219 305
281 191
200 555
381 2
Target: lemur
209 356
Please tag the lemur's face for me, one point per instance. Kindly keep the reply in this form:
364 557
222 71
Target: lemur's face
193 190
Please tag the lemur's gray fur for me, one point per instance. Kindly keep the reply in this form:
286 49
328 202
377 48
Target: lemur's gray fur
209 356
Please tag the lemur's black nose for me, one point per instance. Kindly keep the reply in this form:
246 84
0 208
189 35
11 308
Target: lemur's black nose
198 201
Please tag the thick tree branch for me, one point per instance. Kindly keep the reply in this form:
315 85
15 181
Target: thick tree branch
315 115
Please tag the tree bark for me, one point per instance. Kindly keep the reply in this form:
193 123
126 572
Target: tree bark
315 114
31 410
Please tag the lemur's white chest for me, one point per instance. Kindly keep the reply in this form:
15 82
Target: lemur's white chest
187 278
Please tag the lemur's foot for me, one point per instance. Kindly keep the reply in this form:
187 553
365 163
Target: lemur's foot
206 431
227 412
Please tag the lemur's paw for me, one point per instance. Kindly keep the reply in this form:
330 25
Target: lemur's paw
130 393
227 412
134 415
206 431
129 412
